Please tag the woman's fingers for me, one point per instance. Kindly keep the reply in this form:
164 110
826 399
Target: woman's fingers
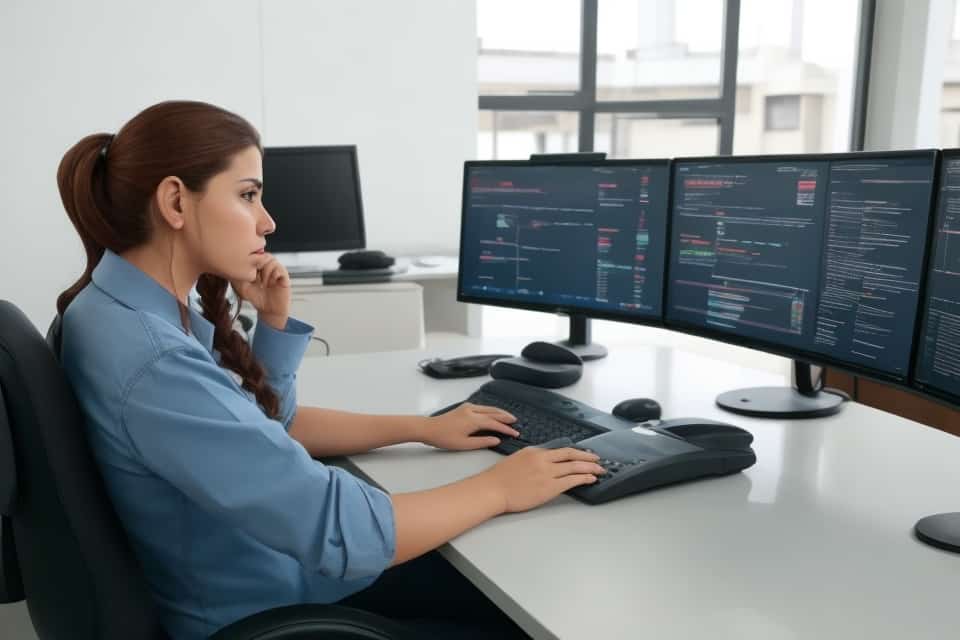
484 442
569 482
267 272
499 427
577 467
565 454
500 414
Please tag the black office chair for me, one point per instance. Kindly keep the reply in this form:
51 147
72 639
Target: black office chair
62 547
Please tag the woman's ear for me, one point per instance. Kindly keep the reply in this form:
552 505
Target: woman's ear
171 193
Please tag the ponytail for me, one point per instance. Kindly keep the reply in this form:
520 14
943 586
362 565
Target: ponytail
235 352
81 180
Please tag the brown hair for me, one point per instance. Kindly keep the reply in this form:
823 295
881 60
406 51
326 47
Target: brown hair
107 185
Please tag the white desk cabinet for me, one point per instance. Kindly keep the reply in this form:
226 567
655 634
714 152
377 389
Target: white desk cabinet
361 318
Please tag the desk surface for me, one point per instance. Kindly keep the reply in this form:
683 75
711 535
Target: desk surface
413 272
814 541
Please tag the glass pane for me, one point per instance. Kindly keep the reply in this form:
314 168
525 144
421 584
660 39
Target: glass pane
950 101
658 49
631 135
528 48
514 135
795 76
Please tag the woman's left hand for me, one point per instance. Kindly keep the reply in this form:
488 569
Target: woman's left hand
455 429
269 293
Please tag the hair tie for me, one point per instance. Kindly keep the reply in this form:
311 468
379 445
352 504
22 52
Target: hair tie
106 145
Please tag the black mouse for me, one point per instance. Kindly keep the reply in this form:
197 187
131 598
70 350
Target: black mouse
637 409
550 352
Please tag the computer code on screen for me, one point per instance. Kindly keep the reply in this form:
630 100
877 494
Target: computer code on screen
591 237
820 255
877 219
938 362
742 236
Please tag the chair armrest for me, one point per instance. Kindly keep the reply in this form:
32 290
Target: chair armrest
312 622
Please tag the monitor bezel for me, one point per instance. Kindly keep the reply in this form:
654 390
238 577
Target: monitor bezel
927 389
655 320
812 357
351 150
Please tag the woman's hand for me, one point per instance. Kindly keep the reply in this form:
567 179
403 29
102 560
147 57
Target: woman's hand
454 430
269 293
532 476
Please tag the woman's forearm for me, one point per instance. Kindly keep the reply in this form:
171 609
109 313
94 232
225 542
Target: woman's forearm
325 432
427 519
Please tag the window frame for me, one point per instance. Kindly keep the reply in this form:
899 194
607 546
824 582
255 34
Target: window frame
722 108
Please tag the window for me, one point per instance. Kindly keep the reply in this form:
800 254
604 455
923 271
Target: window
528 47
782 113
950 99
797 65
658 49
630 135
514 135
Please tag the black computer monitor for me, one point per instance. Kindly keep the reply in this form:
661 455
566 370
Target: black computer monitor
313 194
585 238
815 257
938 354
937 371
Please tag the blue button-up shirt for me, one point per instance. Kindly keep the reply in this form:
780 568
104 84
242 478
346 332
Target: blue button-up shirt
226 512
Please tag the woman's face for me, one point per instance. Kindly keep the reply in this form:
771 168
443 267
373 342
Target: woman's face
231 224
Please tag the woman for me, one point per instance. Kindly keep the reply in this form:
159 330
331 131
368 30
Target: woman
204 451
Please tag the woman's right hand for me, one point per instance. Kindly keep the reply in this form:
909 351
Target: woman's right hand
532 476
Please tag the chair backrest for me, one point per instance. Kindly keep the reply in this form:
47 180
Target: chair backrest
63 547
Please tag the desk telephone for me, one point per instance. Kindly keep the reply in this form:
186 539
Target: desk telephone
636 457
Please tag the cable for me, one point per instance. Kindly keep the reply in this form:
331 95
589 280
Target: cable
325 344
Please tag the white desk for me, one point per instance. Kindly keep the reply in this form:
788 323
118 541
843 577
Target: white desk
814 541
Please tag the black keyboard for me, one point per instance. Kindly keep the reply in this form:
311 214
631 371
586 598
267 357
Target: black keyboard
541 415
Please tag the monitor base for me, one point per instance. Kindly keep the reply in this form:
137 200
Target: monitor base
592 351
941 530
579 341
779 402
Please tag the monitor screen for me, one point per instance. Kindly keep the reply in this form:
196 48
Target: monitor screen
587 238
816 256
938 356
313 194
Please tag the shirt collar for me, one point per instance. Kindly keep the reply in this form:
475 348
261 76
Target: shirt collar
133 288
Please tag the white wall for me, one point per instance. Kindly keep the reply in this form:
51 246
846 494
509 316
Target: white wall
399 80
396 78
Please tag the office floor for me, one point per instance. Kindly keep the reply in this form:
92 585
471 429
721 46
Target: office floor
15 622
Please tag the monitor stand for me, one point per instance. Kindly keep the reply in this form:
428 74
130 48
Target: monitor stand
803 401
941 530
579 340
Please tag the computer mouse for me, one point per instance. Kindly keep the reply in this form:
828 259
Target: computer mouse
365 259
708 434
550 353
637 409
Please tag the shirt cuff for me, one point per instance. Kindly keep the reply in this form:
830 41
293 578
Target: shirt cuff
280 352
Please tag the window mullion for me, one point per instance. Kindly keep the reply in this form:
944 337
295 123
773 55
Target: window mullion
588 74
